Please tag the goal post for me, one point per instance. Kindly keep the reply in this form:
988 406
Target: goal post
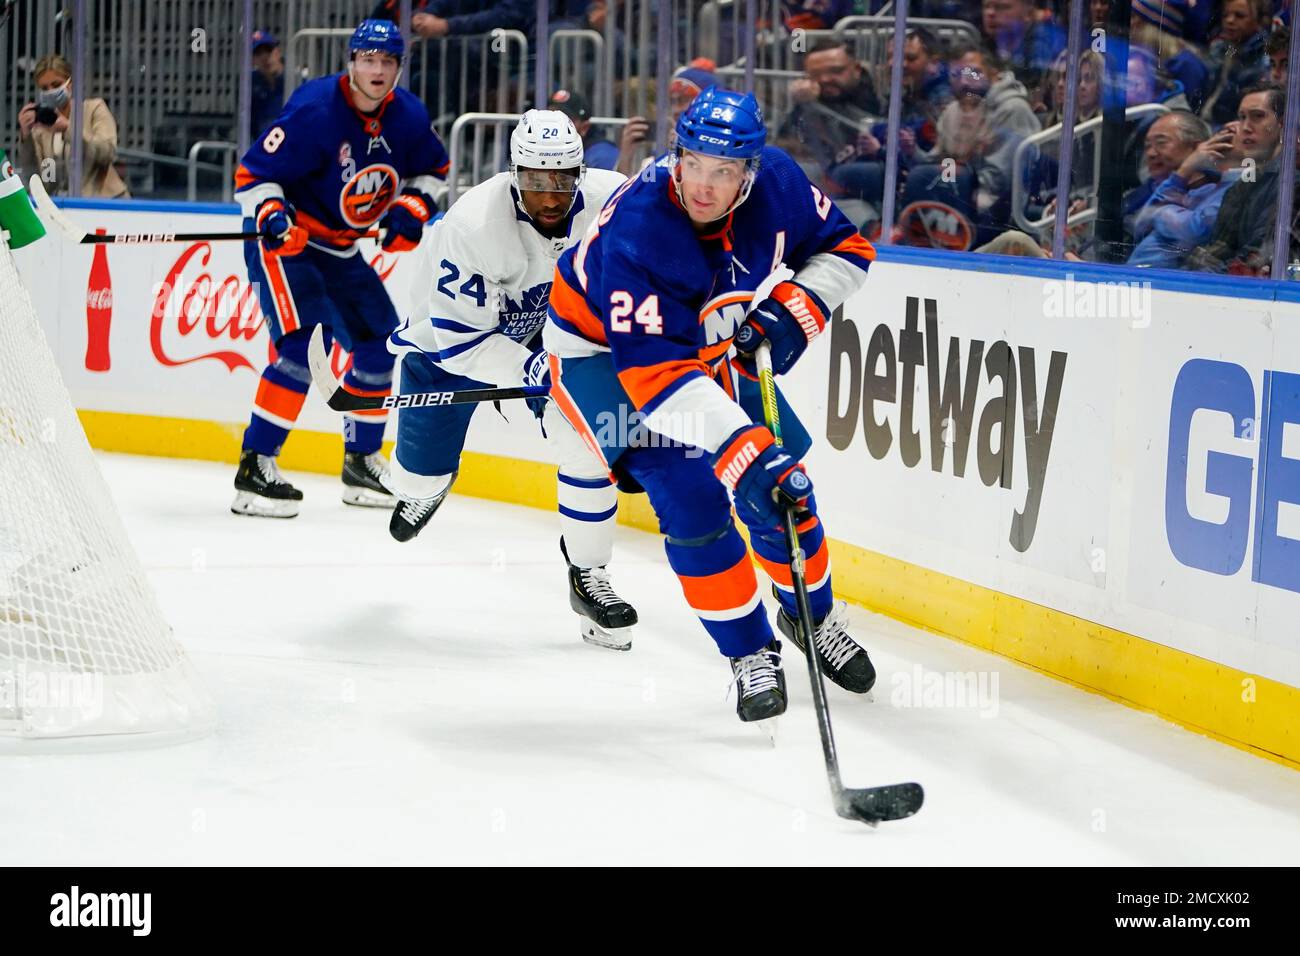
86 657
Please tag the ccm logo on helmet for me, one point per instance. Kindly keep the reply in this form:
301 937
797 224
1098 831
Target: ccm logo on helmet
367 194
713 139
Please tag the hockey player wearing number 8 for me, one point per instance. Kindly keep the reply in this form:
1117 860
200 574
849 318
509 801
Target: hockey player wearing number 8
643 315
349 151
490 262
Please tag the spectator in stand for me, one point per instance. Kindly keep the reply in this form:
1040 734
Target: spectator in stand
1088 104
590 15
597 151
45 142
1279 55
687 83
960 197
433 19
829 126
1007 100
268 82
1192 170
1242 241
1240 57
814 14
1157 26
1027 44
925 83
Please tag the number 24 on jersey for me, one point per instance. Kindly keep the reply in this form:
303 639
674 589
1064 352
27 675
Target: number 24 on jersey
647 315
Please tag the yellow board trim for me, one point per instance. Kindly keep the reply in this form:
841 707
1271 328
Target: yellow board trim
1245 710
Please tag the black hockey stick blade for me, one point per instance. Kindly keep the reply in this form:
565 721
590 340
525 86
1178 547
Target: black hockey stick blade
872 805
338 397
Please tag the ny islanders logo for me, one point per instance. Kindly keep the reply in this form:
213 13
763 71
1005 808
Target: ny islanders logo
722 315
367 194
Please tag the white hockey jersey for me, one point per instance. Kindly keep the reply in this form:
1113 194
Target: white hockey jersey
489 278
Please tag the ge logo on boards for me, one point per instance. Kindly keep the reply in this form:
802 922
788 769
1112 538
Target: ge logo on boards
1221 547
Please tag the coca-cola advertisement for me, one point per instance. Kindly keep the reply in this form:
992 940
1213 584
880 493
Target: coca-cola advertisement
175 329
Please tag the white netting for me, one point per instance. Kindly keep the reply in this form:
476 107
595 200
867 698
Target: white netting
84 648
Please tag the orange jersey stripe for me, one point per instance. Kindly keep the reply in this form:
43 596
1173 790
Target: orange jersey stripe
644 383
724 591
279 401
814 568
858 245
284 305
571 306
569 409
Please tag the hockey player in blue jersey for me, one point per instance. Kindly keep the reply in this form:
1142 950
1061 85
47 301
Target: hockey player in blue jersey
643 316
488 266
350 152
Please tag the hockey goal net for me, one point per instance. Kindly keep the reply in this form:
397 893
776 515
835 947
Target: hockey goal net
84 649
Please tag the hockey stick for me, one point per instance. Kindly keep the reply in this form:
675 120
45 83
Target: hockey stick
870 805
341 399
54 216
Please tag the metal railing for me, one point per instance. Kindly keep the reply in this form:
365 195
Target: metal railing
228 152
577 62
1020 190
479 146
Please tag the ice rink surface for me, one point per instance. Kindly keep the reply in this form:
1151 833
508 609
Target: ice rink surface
432 703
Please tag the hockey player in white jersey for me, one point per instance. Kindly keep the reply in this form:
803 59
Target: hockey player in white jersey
490 262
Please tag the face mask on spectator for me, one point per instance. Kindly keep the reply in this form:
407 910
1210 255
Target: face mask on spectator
54 99
969 81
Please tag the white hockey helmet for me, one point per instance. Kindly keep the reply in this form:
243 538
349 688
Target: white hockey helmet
545 140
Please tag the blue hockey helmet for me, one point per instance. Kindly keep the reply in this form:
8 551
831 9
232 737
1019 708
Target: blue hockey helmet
723 123
382 35
726 125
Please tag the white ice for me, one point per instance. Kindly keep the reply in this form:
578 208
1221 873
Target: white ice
432 703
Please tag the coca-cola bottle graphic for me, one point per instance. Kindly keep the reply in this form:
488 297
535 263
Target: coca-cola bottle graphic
99 310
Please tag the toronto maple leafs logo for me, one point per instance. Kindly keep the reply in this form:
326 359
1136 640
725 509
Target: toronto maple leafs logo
520 319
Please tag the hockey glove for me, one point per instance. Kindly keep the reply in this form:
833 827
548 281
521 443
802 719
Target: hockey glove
788 320
403 223
537 371
761 475
280 236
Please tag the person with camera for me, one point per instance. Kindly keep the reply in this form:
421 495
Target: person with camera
44 143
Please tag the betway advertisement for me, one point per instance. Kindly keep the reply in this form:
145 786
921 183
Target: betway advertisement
175 329
1127 455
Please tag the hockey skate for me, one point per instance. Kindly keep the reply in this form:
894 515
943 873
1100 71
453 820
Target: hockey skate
412 514
843 660
606 619
760 683
363 481
260 491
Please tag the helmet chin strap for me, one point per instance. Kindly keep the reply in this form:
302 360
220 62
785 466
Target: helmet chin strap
357 91
741 195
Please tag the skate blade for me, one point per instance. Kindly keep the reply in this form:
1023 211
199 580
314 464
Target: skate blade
257 506
768 728
615 639
367 497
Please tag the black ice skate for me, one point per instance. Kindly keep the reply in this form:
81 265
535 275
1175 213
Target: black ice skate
260 491
411 515
843 660
760 683
606 619
363 480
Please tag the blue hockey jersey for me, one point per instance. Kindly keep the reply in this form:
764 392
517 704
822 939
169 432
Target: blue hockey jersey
665 301
337 167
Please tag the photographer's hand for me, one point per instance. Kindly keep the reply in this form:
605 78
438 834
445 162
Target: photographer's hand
26 120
